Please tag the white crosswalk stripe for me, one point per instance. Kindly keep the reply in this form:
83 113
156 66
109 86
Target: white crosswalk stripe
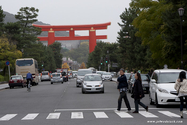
100 115
148 114
123 114
77 115
168 113
53 116
7 117
31 116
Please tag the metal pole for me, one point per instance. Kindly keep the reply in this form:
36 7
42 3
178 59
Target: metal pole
181 43
9 71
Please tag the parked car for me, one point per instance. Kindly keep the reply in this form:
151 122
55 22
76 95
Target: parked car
131 83
56 78
161 91
17 80
80 75
92 83
74 74
107 76
45 76
99 72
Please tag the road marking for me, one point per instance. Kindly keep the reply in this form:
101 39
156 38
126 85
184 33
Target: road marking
53 116
96 109
77 115
100 115
30 116
7 117
168 113
123 114
148 114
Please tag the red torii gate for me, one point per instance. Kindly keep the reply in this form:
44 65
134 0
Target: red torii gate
71 28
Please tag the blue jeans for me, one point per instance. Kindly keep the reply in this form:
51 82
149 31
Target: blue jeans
182 102
137 102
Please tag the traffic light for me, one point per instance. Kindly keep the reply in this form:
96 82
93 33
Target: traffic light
106 60
42 65
101 62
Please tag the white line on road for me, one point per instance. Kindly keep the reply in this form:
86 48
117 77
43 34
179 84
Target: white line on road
30 116
53 116
100 115
168 113
96 109
7 117
123 114
77 115
148 114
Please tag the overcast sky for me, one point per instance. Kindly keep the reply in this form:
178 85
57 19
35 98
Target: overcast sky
69 12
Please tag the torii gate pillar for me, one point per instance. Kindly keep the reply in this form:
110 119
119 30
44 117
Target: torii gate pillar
92 40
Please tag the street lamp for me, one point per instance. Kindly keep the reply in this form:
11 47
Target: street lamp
181 12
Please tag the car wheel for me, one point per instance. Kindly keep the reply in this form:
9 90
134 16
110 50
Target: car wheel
83 92
150 99
10 87
51 83
62 82
156 102
77 85
22 86
147 90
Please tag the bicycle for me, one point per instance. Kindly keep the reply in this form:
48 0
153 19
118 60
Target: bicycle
29 86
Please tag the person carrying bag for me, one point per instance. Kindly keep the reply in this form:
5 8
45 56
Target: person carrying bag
181 87
138 93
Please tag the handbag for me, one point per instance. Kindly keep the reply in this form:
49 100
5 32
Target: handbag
178 90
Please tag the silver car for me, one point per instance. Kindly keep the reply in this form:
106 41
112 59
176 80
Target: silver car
56 78
92 83
45 76
80 76
107 76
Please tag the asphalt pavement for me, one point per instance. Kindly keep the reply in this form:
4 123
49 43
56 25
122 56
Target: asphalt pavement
64 104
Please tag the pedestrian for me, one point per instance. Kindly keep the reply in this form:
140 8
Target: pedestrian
181 87
122 87
29 78
138 93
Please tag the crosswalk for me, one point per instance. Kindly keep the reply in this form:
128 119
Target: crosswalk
97 115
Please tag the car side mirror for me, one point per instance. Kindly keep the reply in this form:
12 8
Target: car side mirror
153 80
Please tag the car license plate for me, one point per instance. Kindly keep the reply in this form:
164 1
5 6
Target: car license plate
93 89
177 99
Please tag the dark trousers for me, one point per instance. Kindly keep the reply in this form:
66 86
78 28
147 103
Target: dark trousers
138 102
182 102
28 82
123 95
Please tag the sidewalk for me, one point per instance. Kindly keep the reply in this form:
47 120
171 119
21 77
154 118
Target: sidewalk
4 86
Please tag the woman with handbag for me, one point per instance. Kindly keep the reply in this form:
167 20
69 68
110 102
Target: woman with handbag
181 87
138 93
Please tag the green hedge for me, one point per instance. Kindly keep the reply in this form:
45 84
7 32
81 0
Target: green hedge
3 78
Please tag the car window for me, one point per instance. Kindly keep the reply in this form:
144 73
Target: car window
92 78
106 73
44 73
16 77
84 72
155 76
168 77
55 75
24 62
145 78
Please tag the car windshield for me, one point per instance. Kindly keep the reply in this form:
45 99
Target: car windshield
99 72
84 72
145 77
56 75
24 62
106 73
16 77
168 77
92 78
44 73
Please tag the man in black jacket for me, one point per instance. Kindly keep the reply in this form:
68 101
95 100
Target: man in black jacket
122 87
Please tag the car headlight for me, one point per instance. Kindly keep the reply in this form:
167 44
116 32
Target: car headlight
85 83
162 90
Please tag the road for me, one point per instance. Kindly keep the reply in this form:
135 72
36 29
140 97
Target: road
64 104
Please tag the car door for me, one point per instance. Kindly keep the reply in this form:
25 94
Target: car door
153 85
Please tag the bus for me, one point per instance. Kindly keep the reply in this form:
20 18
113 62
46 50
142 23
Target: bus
28 64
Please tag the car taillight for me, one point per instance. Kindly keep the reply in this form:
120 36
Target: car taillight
19 81
11 81
51 76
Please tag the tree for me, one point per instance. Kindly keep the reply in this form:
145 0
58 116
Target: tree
56 47
27 16
83 66
65 66
1 20
8 52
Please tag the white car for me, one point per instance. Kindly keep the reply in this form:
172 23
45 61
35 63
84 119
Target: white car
92 83
107 76
161 90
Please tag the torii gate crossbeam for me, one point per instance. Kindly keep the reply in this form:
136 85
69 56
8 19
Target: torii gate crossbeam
72 28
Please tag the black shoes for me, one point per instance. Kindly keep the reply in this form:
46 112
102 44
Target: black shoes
146 108
135 112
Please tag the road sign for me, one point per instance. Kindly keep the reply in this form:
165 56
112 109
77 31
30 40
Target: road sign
7 63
